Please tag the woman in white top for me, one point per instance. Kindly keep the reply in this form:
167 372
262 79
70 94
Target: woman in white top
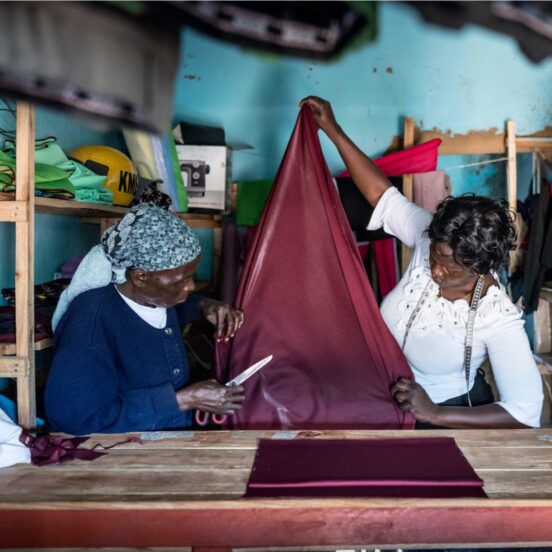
455 256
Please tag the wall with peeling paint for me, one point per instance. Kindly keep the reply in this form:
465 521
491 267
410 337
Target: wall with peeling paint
454 81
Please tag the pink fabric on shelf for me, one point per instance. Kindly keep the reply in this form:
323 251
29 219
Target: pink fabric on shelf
429 189
307 301
417 159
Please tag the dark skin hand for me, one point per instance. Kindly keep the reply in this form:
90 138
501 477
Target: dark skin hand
368 178
226 318
455 282
412 398
211 396
167 288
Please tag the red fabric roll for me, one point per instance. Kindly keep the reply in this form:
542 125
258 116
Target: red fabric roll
308 302
417 159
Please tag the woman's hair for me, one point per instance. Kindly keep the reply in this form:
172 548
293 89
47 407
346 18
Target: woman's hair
479 230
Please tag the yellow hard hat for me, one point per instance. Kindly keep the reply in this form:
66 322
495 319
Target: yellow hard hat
120 172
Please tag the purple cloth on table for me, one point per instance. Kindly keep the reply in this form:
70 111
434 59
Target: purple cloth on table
407 468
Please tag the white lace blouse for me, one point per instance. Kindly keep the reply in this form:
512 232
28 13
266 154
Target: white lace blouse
435 345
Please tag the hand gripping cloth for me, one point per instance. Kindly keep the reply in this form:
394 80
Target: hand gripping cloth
308 302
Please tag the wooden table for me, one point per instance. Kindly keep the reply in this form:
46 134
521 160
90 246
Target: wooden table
184 490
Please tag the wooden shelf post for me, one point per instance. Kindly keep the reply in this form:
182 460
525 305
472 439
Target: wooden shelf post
511 180
408 141
24 266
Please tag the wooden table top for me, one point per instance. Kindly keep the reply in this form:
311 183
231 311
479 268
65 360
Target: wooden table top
194 481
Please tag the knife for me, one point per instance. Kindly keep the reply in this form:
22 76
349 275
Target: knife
246 374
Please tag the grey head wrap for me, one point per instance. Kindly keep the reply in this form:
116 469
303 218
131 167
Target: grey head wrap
147 237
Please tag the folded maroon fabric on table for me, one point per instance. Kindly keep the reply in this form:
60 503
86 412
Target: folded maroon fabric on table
407 468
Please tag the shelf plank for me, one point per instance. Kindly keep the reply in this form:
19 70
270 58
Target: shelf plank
13 211
9 348
93 212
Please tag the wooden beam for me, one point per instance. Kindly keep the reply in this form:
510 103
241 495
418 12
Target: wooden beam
511 180
13 211
9 348
408 141
24 264
14 367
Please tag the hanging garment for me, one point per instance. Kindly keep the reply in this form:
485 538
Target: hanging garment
429 189
538 265
386 264
308 302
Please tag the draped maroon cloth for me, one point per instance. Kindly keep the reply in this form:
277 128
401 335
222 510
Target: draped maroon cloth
435 468
307 301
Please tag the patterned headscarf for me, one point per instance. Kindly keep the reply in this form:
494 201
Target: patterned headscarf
151 239
147 237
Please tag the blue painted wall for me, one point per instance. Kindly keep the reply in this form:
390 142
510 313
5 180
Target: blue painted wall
458 81
455 81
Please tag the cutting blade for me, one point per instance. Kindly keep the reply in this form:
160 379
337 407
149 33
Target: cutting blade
246 374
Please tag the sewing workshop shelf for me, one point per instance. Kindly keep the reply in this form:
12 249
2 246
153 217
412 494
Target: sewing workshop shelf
93 212
8 349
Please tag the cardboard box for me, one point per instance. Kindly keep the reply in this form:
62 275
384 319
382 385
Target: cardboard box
206 172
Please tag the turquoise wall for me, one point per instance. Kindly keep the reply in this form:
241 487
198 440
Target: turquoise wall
454 81
448 80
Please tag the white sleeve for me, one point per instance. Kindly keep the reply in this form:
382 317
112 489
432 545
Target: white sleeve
400 217
516 374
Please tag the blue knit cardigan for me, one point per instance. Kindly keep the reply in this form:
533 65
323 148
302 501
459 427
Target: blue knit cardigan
112 372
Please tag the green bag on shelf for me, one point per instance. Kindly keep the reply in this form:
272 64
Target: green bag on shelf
252 196
50 181
88 186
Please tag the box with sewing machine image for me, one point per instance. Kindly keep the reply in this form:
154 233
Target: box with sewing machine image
206 173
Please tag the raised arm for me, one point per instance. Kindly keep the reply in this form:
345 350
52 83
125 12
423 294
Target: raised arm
368 178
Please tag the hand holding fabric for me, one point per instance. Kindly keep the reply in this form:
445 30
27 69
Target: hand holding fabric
211 396
412 398
226 319
322 113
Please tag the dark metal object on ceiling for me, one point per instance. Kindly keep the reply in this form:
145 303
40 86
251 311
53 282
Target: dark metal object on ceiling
89 58
117 61
314 30
529 23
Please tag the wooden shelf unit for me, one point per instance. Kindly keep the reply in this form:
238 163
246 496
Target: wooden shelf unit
507 143
17 360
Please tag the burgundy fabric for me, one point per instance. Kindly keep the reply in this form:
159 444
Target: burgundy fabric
230 263
417 159
54 449
417 468
42 326
308 302
384 252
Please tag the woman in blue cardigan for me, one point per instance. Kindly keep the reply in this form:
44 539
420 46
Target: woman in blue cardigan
119 363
